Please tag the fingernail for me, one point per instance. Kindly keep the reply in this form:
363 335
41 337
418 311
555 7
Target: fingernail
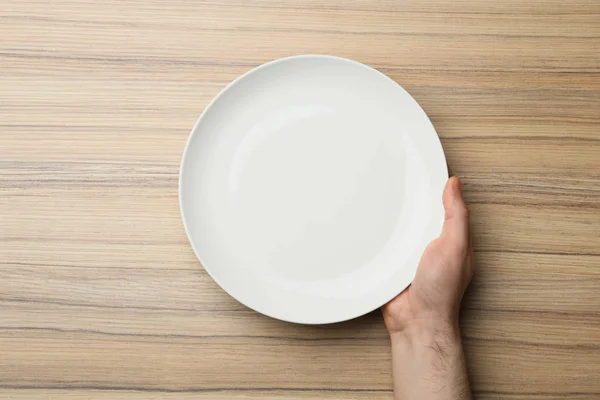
458 186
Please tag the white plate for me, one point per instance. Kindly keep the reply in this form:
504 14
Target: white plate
309 188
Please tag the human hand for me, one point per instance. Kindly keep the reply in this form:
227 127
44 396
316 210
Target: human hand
444 272
427 356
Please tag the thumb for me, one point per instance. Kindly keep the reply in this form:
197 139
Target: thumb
456 219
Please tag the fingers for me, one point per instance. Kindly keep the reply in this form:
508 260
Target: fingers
456 220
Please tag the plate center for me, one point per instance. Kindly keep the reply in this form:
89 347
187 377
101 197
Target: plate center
322 186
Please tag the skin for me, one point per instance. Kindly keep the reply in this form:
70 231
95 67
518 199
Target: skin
427 353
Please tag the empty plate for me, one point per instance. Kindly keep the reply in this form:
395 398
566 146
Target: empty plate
309 188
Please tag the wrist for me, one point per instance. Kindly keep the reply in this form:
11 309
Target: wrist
424 332
428 361
426 322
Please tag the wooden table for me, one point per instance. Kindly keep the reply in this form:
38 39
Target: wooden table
100 293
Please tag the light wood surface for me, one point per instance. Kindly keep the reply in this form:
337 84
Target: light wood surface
100 294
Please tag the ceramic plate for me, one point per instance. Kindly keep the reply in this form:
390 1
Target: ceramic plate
309 188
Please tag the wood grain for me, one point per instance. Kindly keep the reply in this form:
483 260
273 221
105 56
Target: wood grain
100 293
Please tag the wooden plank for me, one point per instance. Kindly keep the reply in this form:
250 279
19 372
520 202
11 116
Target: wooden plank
53 357
59 394
94 394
